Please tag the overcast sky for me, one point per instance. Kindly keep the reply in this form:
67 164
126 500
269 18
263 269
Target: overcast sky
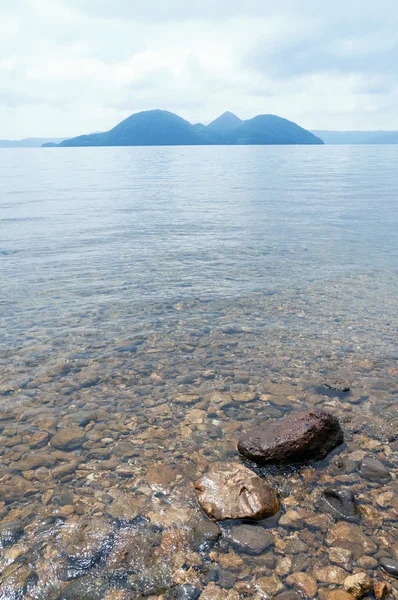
75 66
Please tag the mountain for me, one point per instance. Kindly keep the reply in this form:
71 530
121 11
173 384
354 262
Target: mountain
149 128
163 128
29 142
357 137
270 129
225 123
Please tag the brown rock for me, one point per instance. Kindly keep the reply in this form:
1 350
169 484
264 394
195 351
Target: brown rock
340 595
297 437
231 491
270 586
213 592
351 537
358 584
68 439
381 589
33 461
303 583
125 509
330 574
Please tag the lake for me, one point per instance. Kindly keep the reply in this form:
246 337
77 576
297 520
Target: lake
154 303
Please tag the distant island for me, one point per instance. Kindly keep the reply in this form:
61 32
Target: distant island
163 128
357 137
30 142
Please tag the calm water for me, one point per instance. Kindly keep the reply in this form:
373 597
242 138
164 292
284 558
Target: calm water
130 276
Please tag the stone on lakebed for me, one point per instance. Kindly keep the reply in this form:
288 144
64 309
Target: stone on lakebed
231 491
298 437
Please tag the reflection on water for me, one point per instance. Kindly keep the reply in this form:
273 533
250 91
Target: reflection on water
142 290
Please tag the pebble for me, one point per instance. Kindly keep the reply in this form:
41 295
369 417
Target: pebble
86 588
390 566
68 439
340 595
373 469
270 586
340 503
186 592
351 537
84 541
358 584
251 539
381 589
206 533
330 574
289 596
304 583
343 557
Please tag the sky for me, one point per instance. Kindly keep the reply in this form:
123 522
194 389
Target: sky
69 67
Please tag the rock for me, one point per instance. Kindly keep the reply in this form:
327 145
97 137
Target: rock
34 461
206 533
16 582
10 532
351 537
341 504
367 562
330 574
251 539
85 588
213 592
373 469
68 439
340 595
341 556
37 439
358 584
341 388
381 589
124 450
289 596
270 586
297 437
85 541
186 592
390 566
132 553
227 579
303 583
295 546
125 509
231 491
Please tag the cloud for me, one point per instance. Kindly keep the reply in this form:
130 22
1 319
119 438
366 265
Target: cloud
74 66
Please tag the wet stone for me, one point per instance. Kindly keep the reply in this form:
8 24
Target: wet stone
351 537
227 579
131 553
231 491
390 566
381 589
85 541
124 450
68 439
374 470
185 592
125 509
10 532
86 588
358 584
341 504
17 581
297 437
251 539
289 596
34 461
206 533
304 583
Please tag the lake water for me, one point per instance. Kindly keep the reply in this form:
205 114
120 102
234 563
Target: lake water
142 290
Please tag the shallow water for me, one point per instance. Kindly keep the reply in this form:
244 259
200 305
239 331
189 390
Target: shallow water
141 291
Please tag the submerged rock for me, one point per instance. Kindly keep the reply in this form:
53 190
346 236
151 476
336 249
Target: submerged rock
84 542
297 437
10 532
340 504
373 469
206 533
390 566
86 588
231 491
358 584
351 537
68 439
251 539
